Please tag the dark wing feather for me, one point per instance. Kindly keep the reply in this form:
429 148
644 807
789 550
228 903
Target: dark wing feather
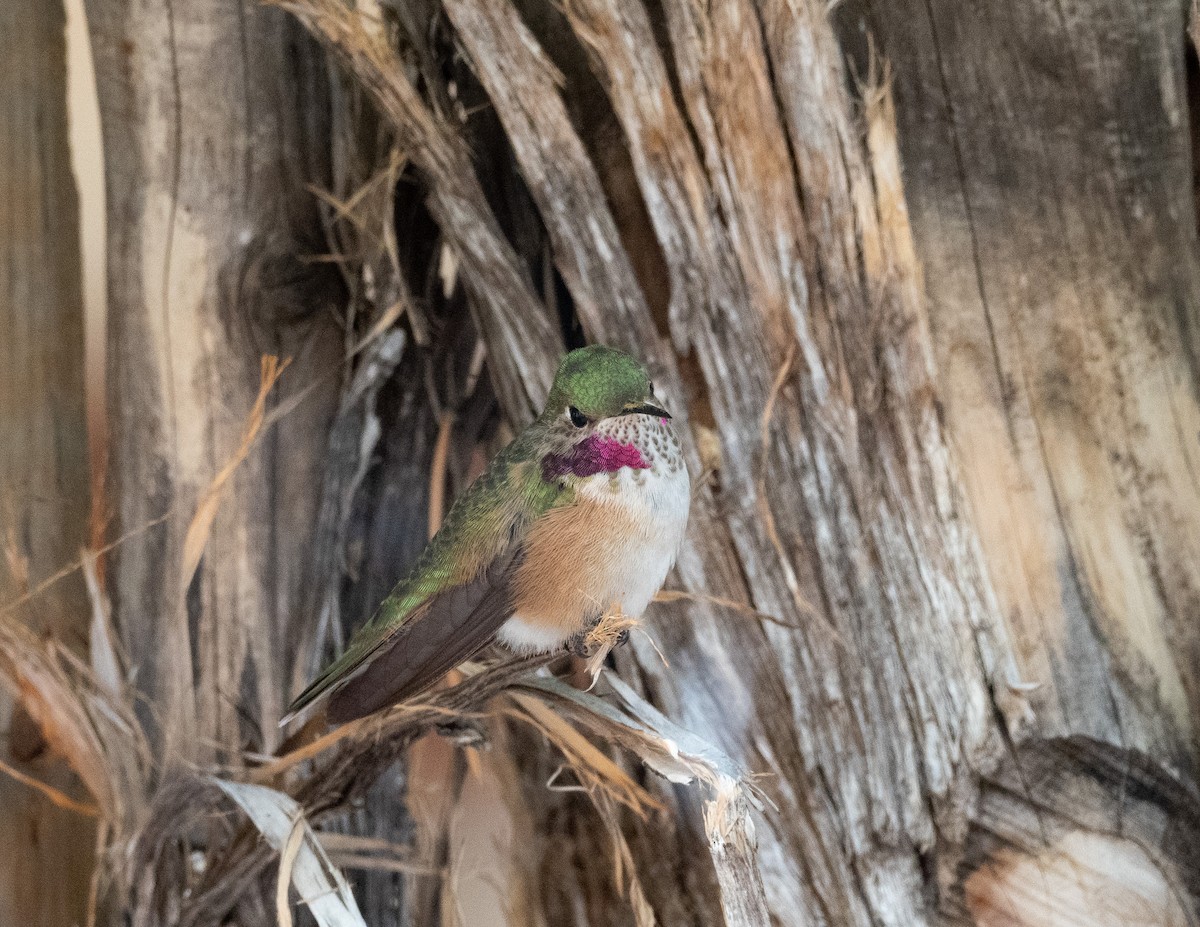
453 626
437 616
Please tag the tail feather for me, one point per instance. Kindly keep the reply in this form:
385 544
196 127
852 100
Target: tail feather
337 674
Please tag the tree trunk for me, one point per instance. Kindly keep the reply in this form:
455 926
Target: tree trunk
1050 183
45 851
940 584
1051 186
215 118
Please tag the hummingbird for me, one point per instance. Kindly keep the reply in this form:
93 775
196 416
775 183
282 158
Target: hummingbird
585 509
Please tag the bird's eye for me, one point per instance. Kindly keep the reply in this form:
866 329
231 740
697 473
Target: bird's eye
578 419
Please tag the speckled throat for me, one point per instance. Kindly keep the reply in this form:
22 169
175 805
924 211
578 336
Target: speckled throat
633 441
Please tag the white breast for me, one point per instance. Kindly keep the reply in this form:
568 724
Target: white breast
656 501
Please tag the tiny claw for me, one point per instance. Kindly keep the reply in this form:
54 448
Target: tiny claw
622 637
579 645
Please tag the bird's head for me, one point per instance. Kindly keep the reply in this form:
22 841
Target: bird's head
601 411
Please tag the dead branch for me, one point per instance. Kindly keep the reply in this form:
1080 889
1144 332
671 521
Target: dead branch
523 340
361 756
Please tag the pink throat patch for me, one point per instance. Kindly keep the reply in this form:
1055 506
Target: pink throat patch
594 454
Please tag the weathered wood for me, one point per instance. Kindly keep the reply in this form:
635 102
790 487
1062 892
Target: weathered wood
45 851
867 459
1076 831
1048 168
353 439
523 86
215 120
882 699
523 339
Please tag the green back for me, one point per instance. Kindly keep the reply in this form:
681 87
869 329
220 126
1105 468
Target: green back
492 514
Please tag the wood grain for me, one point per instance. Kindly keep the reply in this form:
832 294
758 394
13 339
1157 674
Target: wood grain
45 852
211 234
1050 187
1077 831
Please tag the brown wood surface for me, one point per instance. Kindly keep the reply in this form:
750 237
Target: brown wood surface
45 851
1047 157
1075 831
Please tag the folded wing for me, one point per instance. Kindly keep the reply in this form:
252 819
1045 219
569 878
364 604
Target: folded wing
452 627
387 663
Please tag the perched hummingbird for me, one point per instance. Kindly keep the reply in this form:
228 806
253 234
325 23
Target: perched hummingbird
585 509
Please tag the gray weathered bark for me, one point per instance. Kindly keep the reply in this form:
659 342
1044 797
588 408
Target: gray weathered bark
1050 184
215 118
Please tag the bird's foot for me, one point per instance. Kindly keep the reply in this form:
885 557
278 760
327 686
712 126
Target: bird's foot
581 645
590 641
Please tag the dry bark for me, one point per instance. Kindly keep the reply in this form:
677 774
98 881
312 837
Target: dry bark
215 119
46 855
514 323
1077 831
1050 185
